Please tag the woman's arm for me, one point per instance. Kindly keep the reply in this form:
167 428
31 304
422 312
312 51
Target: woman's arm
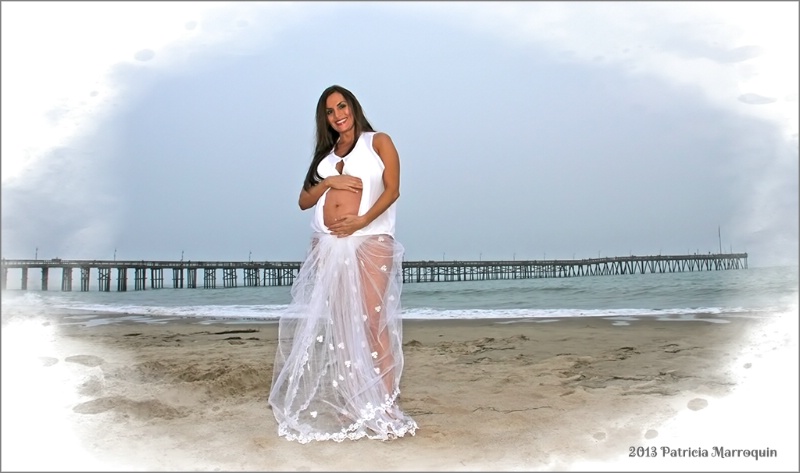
310 197
383 145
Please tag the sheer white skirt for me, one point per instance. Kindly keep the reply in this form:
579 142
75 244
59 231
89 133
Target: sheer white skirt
340 357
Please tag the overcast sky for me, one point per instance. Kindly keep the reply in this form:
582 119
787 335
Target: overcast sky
526 130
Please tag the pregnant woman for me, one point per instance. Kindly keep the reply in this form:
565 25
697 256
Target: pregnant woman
339 359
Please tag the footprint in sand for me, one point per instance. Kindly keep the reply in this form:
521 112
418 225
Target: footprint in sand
91 387
86 360
651 434
97 406
145 410
599 436
262 442
48 360
697 403
747 365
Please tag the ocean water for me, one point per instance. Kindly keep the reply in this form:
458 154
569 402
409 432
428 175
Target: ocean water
750 291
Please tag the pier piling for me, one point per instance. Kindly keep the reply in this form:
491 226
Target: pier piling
156 278
177 278
104 279
229 277
66 279
85 271
139 278
122 279
251 277
209 278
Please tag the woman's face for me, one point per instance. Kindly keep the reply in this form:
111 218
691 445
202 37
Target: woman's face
338 112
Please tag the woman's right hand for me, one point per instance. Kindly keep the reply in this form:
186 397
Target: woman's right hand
344 182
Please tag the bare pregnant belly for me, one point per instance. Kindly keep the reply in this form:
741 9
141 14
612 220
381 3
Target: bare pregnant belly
338 203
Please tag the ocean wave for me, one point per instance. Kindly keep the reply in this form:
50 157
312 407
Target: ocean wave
436 314
265 312
274 312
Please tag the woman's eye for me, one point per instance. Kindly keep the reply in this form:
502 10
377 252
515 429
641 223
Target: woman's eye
341 106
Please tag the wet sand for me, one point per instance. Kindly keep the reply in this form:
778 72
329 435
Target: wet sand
566 394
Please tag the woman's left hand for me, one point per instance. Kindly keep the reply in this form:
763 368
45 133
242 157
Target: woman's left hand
346 225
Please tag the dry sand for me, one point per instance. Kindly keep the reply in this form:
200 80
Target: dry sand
567 394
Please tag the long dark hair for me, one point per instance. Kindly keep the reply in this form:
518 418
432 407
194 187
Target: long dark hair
327 136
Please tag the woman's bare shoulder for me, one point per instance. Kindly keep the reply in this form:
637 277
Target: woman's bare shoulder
381 136
382 140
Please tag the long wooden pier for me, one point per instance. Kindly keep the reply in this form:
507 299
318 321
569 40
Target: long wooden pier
150 274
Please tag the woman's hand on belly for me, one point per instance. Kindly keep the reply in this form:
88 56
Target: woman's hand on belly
346 225
345 182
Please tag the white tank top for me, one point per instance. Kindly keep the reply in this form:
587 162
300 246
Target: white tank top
364 163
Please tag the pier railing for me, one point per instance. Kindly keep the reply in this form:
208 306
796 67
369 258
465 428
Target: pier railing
266 273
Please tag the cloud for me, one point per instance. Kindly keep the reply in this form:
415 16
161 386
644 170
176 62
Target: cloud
61 60
729 50
70 69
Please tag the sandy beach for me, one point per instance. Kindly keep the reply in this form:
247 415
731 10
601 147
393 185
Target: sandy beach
566 394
